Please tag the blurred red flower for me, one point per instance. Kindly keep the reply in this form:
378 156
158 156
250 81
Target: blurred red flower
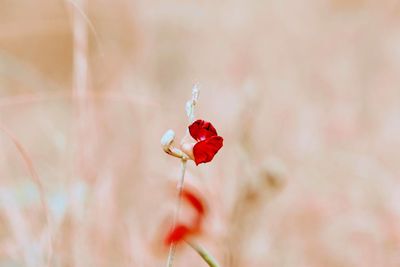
181 231
194 201
178 233
208 141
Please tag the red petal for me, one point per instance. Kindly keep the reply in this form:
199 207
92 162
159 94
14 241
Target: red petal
204 151
177 234
194 200
201 130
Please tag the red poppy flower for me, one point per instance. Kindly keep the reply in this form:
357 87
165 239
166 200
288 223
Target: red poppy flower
208 141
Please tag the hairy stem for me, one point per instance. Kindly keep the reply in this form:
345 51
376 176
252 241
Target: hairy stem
172 247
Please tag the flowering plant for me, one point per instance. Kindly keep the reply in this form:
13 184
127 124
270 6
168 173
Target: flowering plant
207 144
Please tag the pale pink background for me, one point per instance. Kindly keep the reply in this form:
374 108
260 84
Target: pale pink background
305 93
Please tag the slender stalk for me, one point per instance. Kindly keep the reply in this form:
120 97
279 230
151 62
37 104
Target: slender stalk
207 257
190 108
80 90
80 43
172 247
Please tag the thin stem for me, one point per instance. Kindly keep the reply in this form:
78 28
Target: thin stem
207 257
80 42
80 77
172 247
190 107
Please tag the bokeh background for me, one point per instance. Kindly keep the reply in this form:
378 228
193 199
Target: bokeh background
306 94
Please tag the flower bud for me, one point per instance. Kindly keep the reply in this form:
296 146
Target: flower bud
167 139
166 142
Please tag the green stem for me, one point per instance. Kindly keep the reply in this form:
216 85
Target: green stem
207 257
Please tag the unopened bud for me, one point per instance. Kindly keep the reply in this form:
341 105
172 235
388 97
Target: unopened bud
167 139
166 142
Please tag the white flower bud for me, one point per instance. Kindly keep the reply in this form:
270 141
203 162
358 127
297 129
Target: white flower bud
167 139
166 142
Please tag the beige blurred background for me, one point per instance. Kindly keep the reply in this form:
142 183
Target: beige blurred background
306 94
